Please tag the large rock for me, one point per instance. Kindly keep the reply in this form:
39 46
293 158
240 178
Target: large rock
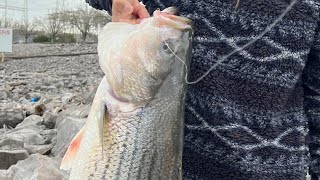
49 119
6 175
39 149
37 167
11 157
49 135
9 143
67 128
29 134
11 116
29 138
80 111
31 120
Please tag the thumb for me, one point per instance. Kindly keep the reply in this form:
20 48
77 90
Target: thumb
121 8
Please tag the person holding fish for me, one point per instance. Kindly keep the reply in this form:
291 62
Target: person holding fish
252 108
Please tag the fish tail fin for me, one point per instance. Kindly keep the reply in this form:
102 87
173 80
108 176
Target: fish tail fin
72 151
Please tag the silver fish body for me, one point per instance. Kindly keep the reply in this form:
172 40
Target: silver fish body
135 127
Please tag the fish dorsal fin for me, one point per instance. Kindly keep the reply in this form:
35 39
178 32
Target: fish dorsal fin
72 151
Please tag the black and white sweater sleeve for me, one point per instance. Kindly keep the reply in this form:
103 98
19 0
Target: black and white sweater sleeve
311 78
100 4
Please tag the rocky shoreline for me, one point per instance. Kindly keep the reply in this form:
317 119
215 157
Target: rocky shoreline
43 104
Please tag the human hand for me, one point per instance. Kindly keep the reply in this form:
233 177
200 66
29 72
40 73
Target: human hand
130 11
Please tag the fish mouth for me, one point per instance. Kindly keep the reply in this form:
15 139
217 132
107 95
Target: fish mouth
169 17
172 10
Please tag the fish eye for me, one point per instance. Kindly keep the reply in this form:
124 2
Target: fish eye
168 47
165 47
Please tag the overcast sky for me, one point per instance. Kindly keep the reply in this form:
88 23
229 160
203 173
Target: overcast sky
37 8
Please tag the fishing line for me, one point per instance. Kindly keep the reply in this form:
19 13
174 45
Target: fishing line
268 28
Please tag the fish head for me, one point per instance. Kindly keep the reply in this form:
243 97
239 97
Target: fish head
137 58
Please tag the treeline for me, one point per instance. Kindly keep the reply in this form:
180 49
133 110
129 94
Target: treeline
60 25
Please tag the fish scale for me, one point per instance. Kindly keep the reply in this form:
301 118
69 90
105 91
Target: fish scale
120 158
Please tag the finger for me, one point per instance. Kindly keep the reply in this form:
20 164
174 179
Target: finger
121 9
142 12
130 11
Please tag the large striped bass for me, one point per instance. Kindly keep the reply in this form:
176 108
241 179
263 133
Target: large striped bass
135 127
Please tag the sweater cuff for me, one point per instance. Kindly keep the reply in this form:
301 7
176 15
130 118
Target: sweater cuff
101 4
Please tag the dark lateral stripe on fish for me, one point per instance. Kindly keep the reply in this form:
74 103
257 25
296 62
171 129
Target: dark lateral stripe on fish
141 165
152 163
95 169
124 155
107 167
104 172
134 152
148 161
120 163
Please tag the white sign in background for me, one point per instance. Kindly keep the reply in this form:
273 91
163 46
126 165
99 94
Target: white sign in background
5 40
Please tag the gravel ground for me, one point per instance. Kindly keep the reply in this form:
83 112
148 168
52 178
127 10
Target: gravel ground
37 133
47 49
49 76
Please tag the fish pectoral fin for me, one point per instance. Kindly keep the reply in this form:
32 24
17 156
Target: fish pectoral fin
72 151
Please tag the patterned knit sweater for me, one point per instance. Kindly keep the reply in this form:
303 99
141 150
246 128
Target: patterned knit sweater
256 116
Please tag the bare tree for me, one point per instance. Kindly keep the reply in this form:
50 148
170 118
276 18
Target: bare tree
9 23
26 29
2 22
86 19
54 24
